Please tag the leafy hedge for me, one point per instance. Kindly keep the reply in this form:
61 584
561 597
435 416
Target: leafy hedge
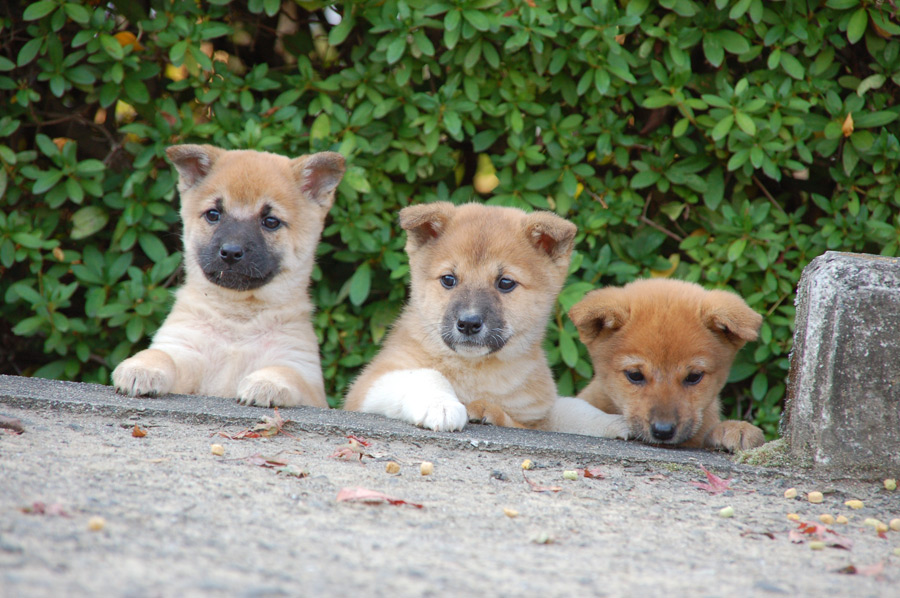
725 142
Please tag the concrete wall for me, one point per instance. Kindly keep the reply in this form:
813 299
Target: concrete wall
842 411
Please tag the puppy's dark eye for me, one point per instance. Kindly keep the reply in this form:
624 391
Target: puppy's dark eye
505 285
635 376
271 222
448 281
693 378
212 216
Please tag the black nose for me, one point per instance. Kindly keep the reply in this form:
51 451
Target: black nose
662 430
469 324
231 252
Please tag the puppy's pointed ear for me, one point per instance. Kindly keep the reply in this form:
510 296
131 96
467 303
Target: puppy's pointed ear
727 314
193 162
319 175
425 222
551 234
601 311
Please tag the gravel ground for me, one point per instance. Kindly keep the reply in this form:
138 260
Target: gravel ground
181 521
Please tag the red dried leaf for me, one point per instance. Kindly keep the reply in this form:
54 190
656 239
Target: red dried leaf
39 508
715 484
11 424
538 488
264 461
809 530
354 449
874 570
371 496
593 472
137 432
268 426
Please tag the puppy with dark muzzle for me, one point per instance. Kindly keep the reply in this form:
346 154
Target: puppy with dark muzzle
240 326
468 344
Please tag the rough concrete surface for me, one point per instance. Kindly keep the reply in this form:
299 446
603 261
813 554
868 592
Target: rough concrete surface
842 410
180 521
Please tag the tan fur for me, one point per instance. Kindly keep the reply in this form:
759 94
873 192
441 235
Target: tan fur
667 330
256 345
512 386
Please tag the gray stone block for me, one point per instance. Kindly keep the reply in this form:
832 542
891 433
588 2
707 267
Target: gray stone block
842 411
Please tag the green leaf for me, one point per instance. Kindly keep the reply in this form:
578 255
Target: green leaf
644 179
395 49
39 9
477 19
356 178
723 127
567 348
87 221
29 51
153 248
340 32
736 249
856 27
360 283
745 123
321 128
874 119
792 66
541 180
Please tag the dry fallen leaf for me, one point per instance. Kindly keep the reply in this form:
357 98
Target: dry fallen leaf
290 470
537 488
874 570
268 426
594 473
371 496
354 449
715 484
816 532
137 432
12 424
39 508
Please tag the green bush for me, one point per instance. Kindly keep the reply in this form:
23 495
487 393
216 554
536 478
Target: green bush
724 142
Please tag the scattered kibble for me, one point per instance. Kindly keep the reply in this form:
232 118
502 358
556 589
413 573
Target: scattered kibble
793 516
95 524
880 526
542 538
842 520
727 512
815 497
527 464
510 513
217 449
897 551
826 518
392 467
890 484
790 493
895 525
854 504
426 468
816 545
570 474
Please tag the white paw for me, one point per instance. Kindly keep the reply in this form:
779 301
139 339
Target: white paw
132 379
262 391
616 427
444 414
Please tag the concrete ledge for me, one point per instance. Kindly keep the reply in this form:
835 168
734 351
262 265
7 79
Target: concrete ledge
842 411
36 393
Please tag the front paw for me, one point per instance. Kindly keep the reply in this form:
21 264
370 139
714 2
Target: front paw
266 391
443 414
485 413
735 435
616 426
135 378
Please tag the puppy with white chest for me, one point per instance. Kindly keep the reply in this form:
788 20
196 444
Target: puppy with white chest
468 343
662 351
240 326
